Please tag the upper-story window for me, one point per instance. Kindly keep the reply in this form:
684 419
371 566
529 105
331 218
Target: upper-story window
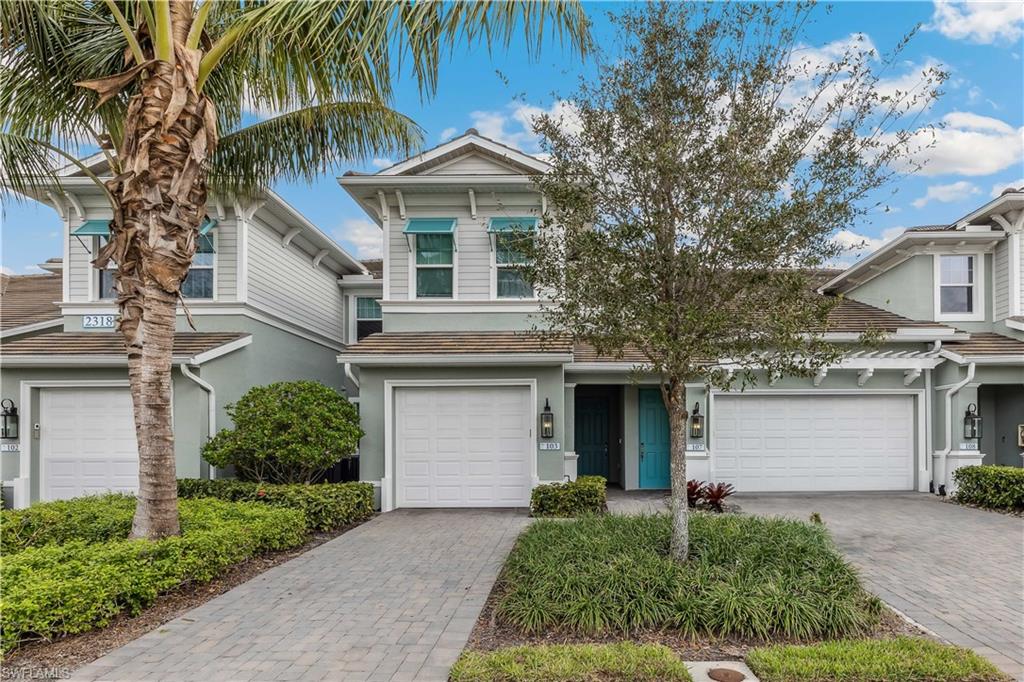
958 287
509 240
368 317
432 241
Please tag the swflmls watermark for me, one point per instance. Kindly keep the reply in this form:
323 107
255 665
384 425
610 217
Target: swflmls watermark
56 672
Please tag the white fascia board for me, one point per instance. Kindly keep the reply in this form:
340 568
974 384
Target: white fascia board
360 282
332 246
982 359
455 181
471 306
587 367
467 141
84 361
223 349
452 360
1014 324
34 327
1016 199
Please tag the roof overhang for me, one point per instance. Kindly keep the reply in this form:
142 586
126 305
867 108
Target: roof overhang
467 143
1010 201
117 360
910 244
1007 359
29 328
454 359
902 335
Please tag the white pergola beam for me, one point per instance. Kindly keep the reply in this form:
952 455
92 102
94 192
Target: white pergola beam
910 376
820 376
864 375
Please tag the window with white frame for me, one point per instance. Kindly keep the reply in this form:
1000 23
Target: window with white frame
509 259
197 285
106 275
368 317
435 265
958 285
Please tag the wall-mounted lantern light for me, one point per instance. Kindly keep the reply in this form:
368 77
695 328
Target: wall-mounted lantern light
9 413
972 423
547 421
696 422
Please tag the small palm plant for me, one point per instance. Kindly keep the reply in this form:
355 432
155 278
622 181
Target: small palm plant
162 88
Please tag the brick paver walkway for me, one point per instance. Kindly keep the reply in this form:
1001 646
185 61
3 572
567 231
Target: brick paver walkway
394 599
955 570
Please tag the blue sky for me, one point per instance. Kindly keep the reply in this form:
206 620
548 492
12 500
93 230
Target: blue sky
978 152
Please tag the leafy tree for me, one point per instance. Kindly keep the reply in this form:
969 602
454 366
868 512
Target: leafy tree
703 171
161 86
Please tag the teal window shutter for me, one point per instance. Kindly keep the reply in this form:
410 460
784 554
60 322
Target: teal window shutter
93 228
208 224
430 226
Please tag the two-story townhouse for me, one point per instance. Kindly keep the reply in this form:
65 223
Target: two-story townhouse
464 405
269 295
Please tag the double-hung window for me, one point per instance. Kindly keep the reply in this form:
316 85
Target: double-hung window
368 317
958 294
510 237
432 241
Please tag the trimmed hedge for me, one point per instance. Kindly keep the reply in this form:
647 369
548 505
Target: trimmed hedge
326 505
90 519
995 487
54 589
572 663
585 495
903 659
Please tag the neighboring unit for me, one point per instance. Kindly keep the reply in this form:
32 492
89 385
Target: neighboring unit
464 405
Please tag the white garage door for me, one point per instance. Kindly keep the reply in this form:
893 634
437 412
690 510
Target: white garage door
87 442
766 443
463 446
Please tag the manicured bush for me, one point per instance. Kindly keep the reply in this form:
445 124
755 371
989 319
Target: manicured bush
747 576
995 487
585 495
58 589
326 506
903 659
91 519
572 663
288 432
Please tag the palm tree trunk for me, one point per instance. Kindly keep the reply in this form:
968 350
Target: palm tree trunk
170 130
675 403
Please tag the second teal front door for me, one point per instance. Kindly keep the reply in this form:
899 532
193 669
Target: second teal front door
654 440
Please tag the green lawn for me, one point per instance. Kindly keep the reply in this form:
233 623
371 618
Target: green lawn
572 663
893 660
748 576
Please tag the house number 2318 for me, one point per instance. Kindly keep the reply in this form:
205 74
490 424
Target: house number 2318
97 321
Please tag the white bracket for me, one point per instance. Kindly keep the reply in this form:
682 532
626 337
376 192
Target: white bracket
820 376
319 257
472 204
773 378
62 210
910 376
1003 222
77 204
289 236
543 205
384 213
864 375
401 203
220 208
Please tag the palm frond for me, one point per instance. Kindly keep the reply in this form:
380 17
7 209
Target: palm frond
307 142
29 166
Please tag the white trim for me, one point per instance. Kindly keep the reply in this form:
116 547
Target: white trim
388 491
468 140
455 359
242 255
386 255
433 306
977 289
982 359
289 236
65 279
454 267
320 255
34 327
1015 252
1014 324
72 360
211 406
223 349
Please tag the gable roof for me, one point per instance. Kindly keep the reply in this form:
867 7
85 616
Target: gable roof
29 301
470 142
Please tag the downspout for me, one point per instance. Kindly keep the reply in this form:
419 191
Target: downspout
951 390
350 375
211 404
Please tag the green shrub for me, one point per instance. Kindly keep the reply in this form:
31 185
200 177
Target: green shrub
995 487
747 576
58 589
903 659
90 519
326 506
585 495
572 663
288 432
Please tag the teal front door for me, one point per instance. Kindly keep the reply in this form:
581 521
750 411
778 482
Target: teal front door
654 443
592 436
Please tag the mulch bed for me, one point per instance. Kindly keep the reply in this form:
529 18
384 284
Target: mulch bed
59 658
488 634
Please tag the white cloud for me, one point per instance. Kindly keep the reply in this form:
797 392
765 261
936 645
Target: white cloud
998 188
513 125
856 246
969 144
448 133
362 235
955 191
382 163
4 270
979 22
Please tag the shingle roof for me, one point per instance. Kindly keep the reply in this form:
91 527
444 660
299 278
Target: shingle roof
375 266
110 343
458 343
987 343
28 299
853 316
584 352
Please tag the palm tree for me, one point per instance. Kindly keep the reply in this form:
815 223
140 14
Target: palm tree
162 86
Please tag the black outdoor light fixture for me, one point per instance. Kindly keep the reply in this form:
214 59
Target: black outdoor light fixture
10 418
696 422
972 423
547 421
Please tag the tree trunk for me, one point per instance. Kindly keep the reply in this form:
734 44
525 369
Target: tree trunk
160 191
675 404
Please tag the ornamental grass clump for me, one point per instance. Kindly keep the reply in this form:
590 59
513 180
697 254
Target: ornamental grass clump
747 576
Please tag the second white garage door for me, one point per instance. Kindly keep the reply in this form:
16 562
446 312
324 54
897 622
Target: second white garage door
781 443
463 446
87 442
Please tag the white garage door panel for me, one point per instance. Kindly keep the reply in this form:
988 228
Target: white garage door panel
463 446
87 442
765 443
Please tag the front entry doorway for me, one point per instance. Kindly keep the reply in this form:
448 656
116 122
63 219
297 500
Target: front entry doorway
654 440
598 433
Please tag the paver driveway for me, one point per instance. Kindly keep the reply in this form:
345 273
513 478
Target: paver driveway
394 599
955 570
